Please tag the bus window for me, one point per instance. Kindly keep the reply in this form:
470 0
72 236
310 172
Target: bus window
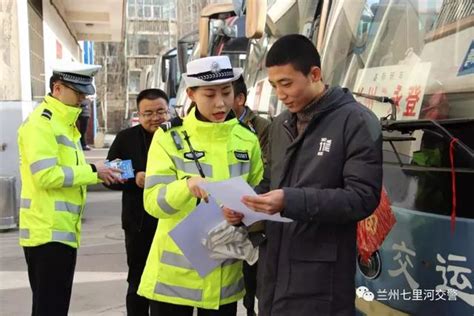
417 53
410 51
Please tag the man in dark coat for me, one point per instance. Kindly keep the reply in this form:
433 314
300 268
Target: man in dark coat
325 173
244 114
133 143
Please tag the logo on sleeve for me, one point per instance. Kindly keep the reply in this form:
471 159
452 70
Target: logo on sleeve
47 114
189 155
241 155
324 146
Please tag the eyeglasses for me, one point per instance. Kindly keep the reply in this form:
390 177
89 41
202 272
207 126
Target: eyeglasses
150 114
77 93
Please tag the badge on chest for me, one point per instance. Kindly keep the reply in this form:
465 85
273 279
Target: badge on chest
241 155
189 155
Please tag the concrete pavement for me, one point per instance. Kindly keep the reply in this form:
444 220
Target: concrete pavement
100 278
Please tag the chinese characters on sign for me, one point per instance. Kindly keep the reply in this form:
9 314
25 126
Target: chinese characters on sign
454 278
458 282
407 253
405 84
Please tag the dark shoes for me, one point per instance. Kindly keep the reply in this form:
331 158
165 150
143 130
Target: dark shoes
86 147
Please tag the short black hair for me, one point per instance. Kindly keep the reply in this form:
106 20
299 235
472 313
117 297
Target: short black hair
52 80
151 94
294 49
239 86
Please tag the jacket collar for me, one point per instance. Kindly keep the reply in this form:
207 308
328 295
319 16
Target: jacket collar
63 112
210 130
334 98
249 115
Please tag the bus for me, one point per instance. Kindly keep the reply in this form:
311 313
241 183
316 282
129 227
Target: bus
163 74
224 30
418 55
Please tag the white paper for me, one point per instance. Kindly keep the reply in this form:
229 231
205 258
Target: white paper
229 192
190 231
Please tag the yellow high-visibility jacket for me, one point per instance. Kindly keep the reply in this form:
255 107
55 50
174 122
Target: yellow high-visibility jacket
224 150
54 175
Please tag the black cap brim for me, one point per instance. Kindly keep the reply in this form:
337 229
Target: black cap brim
77 82
84 89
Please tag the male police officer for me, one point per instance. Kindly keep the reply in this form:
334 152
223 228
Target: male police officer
54 177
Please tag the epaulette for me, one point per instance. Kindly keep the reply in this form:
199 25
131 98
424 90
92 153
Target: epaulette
47 114
250 128
174 122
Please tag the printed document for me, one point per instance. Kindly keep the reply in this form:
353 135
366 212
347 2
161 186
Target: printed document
229 193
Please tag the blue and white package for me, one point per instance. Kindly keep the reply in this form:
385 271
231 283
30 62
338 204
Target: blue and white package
124 165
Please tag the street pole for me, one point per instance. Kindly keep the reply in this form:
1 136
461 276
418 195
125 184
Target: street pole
105 110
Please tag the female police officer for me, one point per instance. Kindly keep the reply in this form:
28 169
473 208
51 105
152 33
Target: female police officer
209 145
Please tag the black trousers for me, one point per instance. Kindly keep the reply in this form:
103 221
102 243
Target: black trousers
83 120
166 309
137 246
51 272
250 279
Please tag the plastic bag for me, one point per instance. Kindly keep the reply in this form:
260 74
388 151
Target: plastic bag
371 232
226 241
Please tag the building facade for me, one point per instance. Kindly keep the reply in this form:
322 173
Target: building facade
35 35
150 30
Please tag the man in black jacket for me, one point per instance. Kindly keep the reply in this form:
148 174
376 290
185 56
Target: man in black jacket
133 143
325 173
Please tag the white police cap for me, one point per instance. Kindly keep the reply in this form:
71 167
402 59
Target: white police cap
77 76
208 71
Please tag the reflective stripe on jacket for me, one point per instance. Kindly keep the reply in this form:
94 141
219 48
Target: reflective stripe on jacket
54 175
224 150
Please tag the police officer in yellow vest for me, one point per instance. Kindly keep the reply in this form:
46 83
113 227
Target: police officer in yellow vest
54 176
209 145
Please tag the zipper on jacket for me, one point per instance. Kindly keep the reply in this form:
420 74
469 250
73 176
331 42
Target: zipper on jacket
288 131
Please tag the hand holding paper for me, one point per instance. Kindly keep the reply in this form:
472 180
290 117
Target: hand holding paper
270 203
232 217
230 192
194 186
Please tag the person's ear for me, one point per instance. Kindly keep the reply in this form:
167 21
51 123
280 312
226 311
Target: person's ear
190 93
315 74
56 88
240 98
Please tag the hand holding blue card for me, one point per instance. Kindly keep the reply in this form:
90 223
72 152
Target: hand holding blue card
124 165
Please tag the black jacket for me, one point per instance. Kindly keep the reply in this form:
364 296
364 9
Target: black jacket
331 175
133 143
